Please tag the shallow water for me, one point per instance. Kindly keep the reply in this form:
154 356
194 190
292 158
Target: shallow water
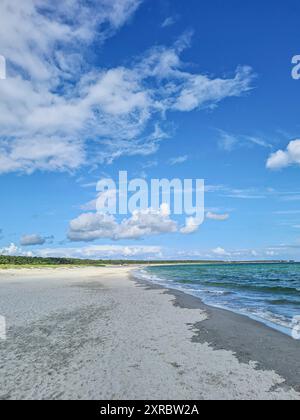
269 293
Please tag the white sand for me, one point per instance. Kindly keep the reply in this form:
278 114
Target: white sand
92 333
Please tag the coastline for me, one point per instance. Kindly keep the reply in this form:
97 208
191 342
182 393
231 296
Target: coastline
248 339
97 333
280 321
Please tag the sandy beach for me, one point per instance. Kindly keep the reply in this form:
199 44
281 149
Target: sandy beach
97 333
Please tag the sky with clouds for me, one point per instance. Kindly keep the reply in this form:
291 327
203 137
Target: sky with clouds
162 89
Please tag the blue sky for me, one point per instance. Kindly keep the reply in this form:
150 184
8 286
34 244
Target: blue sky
160 89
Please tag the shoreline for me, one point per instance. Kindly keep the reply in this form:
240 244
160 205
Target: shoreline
286 330
97 333
247 338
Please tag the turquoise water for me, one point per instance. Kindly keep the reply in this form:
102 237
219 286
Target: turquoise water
269 293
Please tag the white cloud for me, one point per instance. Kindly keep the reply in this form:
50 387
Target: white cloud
14 250
215 216
191 225
40 153
229 142
103 251
232 254
284 158
32 240
142 223
92 252
258 141
92 226
30 28
44 55
150 164
89 206
67 113
240 193
156 252
177 160
169 21
200 91
221 252
271 253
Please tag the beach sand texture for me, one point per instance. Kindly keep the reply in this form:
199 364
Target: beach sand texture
95 333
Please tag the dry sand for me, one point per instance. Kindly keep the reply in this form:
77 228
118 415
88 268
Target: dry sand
94 333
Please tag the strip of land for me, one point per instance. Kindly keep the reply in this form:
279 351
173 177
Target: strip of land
97 333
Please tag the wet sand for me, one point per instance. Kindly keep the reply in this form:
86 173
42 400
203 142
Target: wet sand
248 339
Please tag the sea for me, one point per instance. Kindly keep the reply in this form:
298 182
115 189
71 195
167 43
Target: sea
268 293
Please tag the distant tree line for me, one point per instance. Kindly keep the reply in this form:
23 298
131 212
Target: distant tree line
10 260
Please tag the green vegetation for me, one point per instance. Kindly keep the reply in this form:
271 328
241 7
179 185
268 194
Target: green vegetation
20 262
7 261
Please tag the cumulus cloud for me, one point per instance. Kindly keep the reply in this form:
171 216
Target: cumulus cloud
191 225
284 158
221 252
103 251
68 113
92 226
47 76
32 240
89 252
14 250
216 216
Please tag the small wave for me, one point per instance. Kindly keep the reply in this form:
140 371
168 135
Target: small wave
187 281
144 275
283 302
272 319
264 289
219 292
271 302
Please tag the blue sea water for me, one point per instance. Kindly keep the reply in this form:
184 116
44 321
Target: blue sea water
269 293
